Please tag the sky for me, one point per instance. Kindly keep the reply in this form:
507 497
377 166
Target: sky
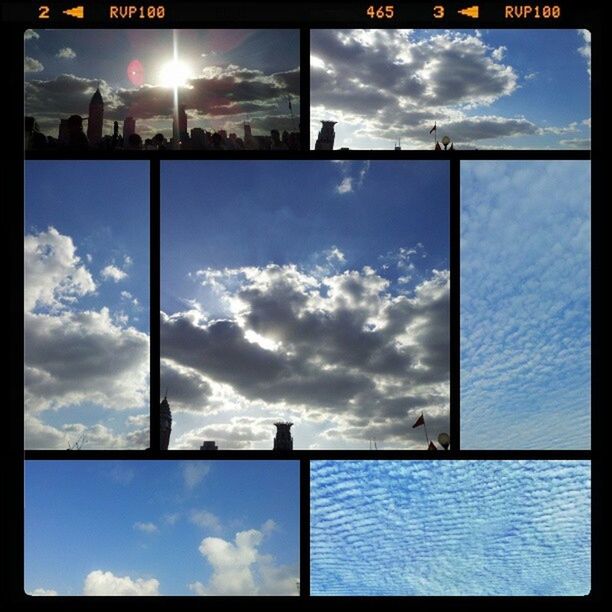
525 305
485 89
86 303
161 527
224 77
450 527
315 292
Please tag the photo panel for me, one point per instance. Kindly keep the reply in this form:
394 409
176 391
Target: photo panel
162 90
450 528
462 90
305 305
155 528
86 305
525 305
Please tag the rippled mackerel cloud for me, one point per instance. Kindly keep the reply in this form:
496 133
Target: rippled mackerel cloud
450 527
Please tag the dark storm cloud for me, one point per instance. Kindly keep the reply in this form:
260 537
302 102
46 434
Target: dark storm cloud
189 391
82 356
345 347
219 91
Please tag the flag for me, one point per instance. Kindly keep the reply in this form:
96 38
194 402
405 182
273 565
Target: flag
433 129
432 446
420 421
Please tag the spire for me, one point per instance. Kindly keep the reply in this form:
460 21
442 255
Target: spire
97 97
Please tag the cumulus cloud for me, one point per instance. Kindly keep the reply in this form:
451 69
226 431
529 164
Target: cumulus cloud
30 34
385 85
322 344
146 527
41 436
239 568
585 50
188 389
525 342
461 528
75 356
101 583
112 272
54 274
391 82
239 433
66 53
32 65
43 593
194 472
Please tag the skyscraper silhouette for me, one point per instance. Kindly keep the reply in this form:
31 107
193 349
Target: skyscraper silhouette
325 140
129 128
96 118
283 440
165 424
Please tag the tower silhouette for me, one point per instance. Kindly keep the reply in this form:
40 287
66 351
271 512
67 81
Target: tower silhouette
283 440
165 424
325 140
96 118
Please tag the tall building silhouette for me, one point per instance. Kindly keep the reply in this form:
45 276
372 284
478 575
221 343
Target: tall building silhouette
325 140
96 118
179 125
129 128
283 440
165 424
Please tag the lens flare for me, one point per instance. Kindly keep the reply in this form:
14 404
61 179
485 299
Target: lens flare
135 72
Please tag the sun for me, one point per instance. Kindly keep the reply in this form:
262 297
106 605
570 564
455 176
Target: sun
174 73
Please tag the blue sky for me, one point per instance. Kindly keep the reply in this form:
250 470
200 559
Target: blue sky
525 305
251 71
450 528
314 291
161 527
87 303
483 88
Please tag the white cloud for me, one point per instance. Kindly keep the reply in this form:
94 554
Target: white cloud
66 53
78 357
104 583
128 297
205 519
43 593
585 50
54 274
498 54
30 34
387 84
346 185
240 569
112 272
32 65
526 341
40 436
341 346
353 175
194 472
146 527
